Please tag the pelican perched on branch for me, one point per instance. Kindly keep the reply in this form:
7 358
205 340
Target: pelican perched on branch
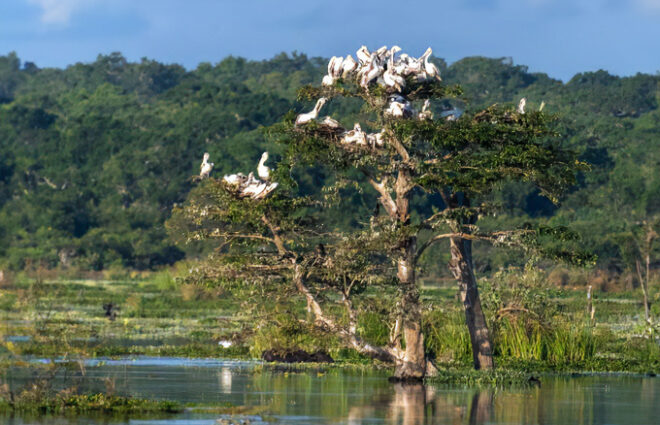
335 70
309 116
363 55
205 167
390 77
372 71
429 68
349 66
262 169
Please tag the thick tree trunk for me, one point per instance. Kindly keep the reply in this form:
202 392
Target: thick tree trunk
413 364
461 268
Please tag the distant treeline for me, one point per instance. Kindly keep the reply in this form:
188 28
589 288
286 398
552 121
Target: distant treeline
94 156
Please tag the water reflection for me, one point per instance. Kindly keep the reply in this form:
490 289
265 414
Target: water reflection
359 397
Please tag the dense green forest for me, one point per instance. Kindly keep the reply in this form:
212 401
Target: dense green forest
93 157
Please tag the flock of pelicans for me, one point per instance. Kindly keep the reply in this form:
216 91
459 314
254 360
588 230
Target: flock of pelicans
244 186
381 66
386 69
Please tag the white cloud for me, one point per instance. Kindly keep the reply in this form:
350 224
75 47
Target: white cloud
59 11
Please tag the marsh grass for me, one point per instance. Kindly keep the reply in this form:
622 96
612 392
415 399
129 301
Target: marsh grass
37 402
557 344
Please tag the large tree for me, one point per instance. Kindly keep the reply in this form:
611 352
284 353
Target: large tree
432 178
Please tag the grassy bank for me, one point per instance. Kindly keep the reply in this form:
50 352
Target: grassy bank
64 403
535 328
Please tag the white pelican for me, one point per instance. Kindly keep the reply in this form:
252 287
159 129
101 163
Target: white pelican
255 189
262 170
401 65
205 167
380 53
250 179
335 66
268 189
328 80
399 107
309 116
376 139
356 136
425 113
235 179
363 55
374 70
390 77
330 122
521 105
348 66
429 68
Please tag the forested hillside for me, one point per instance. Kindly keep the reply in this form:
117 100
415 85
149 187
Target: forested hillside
94 156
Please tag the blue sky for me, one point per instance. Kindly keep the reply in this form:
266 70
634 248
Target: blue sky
559 37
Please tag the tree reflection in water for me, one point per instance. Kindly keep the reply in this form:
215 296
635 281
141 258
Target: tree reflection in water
416 404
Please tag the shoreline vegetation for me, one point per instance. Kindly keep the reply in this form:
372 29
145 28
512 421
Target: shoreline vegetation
66 319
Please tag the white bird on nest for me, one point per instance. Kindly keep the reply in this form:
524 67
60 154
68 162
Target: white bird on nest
205 167
235 179
356 136
309 116
262 169
399 107
376 140
425 113
330 122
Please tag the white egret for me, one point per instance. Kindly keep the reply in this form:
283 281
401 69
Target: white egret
521 105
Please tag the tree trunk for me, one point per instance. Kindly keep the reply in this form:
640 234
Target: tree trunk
461 268
645 289
412 366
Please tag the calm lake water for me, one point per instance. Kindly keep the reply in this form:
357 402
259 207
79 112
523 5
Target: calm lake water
286 396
